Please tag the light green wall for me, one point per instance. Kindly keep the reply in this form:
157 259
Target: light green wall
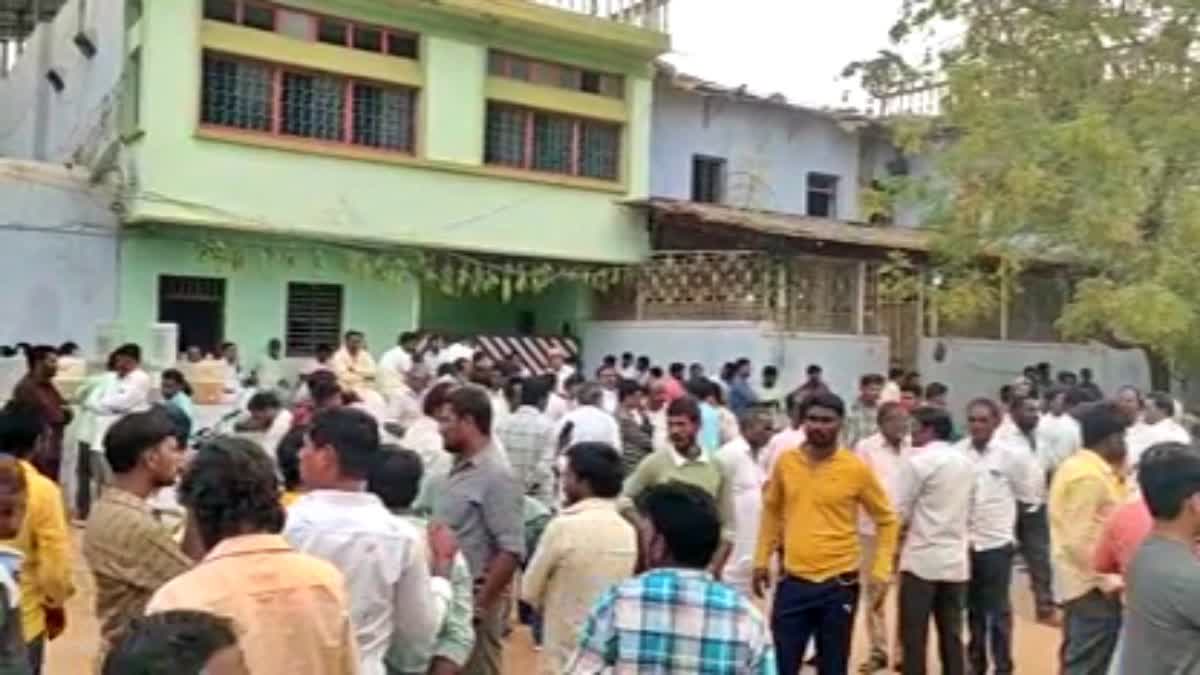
562 302
189 180
255 295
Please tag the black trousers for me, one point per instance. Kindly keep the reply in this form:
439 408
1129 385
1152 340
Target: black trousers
989 611
943 600
1033 538
805 609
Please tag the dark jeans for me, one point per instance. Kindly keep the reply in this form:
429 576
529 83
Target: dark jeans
989 611
943 600
1091 626
804 609
36 651
1033 538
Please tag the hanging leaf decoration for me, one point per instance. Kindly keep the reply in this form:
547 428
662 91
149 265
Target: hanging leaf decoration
453 274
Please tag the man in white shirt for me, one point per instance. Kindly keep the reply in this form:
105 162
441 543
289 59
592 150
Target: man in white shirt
353 364
789 439
394 365
1058 434
130 391
741 460
1033 526
233 369
607 377
1004 476
265 415
393 599
883 452
558 366
933 501
628 370
588 422
1157 426
268 370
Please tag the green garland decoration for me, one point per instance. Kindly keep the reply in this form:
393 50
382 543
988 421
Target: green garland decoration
454 274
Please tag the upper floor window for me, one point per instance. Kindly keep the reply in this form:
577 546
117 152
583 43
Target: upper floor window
708 179
822 195
312 27
286 101
548 74
541 141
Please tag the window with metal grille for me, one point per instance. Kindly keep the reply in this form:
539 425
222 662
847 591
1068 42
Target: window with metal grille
550 74
281 100
312 27
822 195
540 141
708 179
314 317
236 93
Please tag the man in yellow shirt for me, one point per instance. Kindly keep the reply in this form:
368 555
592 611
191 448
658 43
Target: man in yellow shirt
1087 487
810 511
45 580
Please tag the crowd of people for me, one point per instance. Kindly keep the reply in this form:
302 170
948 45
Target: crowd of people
388 516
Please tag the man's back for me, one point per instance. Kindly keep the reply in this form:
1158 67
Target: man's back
935 491
291 609
383 560
675 621
1163 609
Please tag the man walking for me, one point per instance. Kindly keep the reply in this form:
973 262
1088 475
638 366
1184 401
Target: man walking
1003 477
810 511
1086 489
862 420
584 550
481 501
675 618
383 559
1033 528
934 503
742 462
528 438
884 453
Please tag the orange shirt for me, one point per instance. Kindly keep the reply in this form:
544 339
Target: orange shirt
291 609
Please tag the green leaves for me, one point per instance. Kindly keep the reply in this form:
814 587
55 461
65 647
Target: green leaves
453 274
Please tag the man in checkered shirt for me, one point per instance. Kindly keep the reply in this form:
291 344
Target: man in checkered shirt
676 618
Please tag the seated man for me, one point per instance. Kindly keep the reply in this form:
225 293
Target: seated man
267 416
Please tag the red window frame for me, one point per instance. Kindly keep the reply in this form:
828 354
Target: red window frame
528 116
387 34
347 84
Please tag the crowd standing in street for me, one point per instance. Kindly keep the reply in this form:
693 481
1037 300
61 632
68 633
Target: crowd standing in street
384 517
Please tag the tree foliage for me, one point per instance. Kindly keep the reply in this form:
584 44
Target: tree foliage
1069 132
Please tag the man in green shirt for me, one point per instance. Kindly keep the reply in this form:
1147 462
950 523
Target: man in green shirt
686 462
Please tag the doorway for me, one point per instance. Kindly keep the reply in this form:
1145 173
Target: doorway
197 306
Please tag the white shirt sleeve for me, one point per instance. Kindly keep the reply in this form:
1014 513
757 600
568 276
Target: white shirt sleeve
1026 477
420 602
128 394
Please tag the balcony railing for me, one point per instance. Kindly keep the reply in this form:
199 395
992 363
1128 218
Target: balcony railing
649 14
921 100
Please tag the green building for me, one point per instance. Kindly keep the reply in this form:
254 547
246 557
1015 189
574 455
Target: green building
297 169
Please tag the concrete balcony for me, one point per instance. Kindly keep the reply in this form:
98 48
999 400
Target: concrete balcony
648 14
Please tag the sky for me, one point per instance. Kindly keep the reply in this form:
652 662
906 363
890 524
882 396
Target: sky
794 47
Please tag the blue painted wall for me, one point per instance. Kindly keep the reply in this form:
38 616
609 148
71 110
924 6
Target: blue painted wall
769 151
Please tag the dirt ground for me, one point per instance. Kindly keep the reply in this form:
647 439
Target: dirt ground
1036 646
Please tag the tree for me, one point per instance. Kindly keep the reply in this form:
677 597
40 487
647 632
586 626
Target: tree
1068 134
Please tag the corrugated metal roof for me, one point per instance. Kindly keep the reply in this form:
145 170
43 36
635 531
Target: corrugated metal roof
792 226
17 17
